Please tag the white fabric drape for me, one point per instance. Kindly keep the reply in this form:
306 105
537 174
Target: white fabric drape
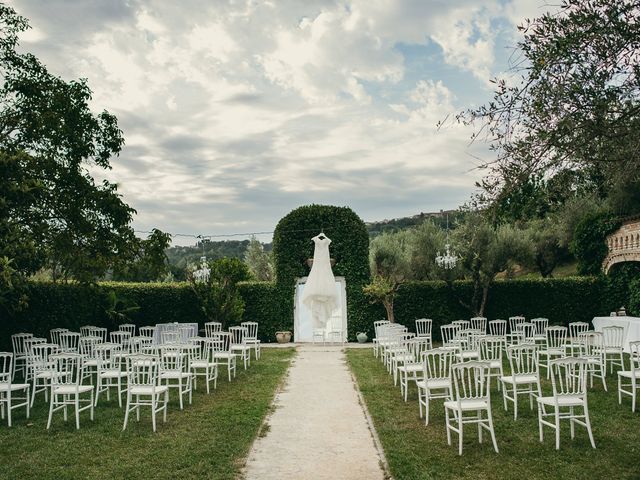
320 294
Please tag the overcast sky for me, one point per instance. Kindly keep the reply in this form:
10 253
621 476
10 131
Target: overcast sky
236 112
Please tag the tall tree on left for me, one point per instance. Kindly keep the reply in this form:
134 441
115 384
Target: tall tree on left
52 212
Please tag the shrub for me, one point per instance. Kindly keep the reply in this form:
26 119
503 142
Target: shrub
588 244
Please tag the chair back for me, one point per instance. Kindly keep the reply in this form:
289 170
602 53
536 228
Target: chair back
491 348
541 325
172 358
85 330
613 336
17 342
212 327
252 330
498 327
6 361
122 338
147 331
142 371
464 324
128 327
104 353
576 328
423 327
556 337
99 332
202 350
479 323
449 334
29 342
568 376
634 357
40 353
87 345
139 344
437 363
69 342
170 337
526 331
221 342
417 346
54 335
377 324
514 322
523 359
591 344
470 381
238 334
67 368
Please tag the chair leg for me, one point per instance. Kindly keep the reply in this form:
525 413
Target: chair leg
588 422
53 396
460 431
154 400
77 405
557 423
126 413
9 407
633 394
493 434
540 432
447 420
515 401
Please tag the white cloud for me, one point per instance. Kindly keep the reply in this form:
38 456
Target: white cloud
234 113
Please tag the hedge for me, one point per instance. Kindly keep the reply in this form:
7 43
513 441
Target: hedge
72 305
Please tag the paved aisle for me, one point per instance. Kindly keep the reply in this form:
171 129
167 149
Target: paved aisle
318 430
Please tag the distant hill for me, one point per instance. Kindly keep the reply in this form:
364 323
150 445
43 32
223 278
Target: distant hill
181 256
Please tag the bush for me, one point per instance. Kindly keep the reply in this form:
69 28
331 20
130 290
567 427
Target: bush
588 244
634 297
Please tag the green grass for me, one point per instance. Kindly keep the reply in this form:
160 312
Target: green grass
416 451
208 439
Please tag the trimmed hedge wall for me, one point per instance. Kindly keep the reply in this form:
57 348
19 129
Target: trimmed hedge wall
71 305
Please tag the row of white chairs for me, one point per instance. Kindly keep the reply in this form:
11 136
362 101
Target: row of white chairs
410 357
53 368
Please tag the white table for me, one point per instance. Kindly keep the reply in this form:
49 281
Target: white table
631 327
161 327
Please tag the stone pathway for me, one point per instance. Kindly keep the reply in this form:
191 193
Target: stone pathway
318 429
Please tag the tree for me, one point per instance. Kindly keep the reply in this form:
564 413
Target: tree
260 263
219 297
486 251
425 241
389 262
549 249
573 104
149 263
52 212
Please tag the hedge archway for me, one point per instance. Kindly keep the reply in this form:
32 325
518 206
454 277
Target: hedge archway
292 246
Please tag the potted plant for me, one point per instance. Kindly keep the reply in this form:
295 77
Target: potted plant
283 336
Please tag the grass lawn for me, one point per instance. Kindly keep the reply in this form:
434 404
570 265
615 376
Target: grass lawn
209 439
416 451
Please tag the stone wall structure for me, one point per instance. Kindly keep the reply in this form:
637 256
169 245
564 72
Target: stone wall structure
623 244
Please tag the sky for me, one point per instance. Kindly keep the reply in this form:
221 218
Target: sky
236 112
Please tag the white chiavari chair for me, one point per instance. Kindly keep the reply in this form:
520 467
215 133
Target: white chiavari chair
67 388
613 339
69 342
593 352
109 371
211 328
9 391
174 370
524 378
436 382
19 361
42 368
203 363
54 335
144 389
423 329
147 331
490 350
555 346
479 323
128 327
513 337
632 375
239 346
376 339
251 338
222 353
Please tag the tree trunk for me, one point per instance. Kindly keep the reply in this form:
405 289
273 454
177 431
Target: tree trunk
388 306
483 304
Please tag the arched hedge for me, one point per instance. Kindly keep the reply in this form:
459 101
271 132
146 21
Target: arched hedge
292 246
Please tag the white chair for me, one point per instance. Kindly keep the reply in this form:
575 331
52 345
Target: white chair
573 342
541 324
222 354
7 388
469 346
238 345
633 375
41 368
202 362
490 349
99 332
140 344
525 333
472 398
498 328
569 385
54 335
555 346
377 331
86 348
174 370
121 338
147 331
69 342
128 327
613 339
412 370
335 336
524 378
28 343
169 337
423 329
513 337
450 335
211 328
479 323
19 362
86 330
464 324
319 333
109 372
593 352
436 382
144 389
251 338
67 389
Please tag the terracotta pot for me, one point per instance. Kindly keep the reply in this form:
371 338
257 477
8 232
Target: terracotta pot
283 337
